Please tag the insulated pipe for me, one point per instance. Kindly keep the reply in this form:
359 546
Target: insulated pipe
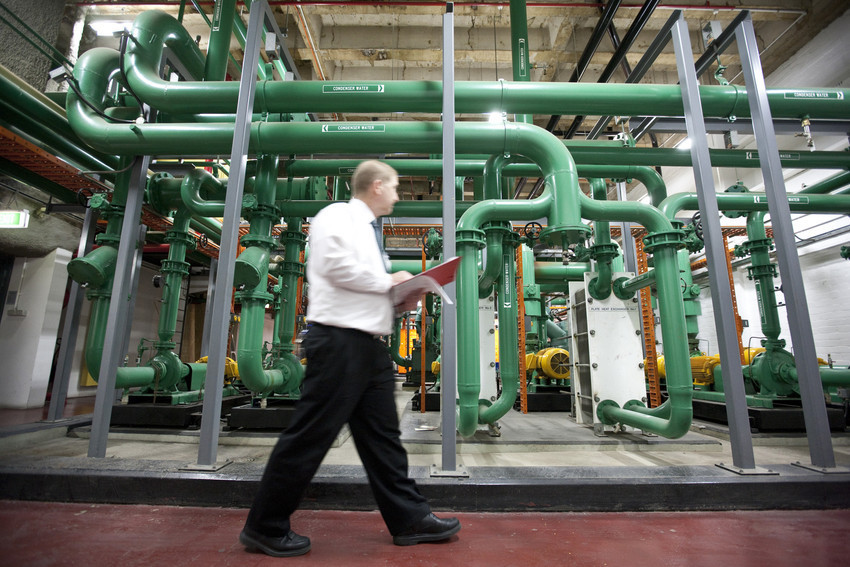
763 271
153 29
838 204
600 286
827 185
252 270
215 66
508 340
519 48
558 273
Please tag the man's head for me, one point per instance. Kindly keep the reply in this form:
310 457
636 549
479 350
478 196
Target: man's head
375 183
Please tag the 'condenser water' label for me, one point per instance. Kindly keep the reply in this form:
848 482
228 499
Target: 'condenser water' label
336 89
820 95
353 128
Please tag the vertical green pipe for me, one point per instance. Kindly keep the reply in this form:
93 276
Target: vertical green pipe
508 341
468 371
293 240
215 66
762 270
600 286
690 295
519 49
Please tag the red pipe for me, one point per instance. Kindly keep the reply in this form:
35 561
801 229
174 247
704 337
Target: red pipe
156 249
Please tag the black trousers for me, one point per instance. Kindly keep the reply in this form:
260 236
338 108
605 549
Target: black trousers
349 379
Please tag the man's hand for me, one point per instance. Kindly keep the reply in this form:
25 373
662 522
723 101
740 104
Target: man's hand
399 277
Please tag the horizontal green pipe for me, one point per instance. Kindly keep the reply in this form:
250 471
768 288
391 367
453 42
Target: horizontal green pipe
556 272
834 376
758 202
153 29
412 266
829 184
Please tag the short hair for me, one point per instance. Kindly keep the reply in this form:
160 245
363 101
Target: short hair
368 172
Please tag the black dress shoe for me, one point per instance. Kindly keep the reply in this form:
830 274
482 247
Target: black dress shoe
289 545
429 528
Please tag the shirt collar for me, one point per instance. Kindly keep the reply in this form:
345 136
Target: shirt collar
361 209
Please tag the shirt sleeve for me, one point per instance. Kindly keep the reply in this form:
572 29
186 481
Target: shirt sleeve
335 252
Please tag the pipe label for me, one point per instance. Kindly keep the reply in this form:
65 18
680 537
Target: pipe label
782 155
523 58
353 127
820 95
792 200
334 89
346 170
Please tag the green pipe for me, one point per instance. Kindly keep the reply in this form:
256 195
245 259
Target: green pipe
412 266
600 286
508 342
839 204
519 48
200 181
832 377
828 185
494 234
215 66
292 240
555 272
762 270
286 372
690 296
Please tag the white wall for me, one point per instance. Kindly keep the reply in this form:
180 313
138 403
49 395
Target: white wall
27 343
824 62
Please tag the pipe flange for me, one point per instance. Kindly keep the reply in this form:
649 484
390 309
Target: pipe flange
762 271
178 237
671 238
471 236
600 413
758 245
293 236
164 345
294 268
604 252
497 226
565 235
175 267
266 242
257 295
105 239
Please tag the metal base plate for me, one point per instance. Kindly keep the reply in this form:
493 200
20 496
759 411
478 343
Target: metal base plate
822 470
460 472
195 467
746 472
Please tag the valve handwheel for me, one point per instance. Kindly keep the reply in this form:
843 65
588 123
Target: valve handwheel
532 230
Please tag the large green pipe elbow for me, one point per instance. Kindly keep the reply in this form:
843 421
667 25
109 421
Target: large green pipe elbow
95 268
198 189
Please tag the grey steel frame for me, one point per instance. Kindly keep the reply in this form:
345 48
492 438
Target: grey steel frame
120 309
721 294
811 389
70 328
213 385
448 360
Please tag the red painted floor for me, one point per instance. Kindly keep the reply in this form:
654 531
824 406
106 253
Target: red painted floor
49 534
73 406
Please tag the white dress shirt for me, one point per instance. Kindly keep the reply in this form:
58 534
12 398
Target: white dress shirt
349 285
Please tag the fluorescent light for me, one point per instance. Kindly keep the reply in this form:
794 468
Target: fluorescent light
14 219
106 28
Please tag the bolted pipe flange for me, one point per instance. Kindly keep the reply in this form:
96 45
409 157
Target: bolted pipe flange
255 295
266 242
672 238
604 252
565 235
180 237
600 411
620 293
761 271
471 236
175 267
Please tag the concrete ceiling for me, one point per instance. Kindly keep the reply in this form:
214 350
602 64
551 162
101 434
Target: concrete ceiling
401 40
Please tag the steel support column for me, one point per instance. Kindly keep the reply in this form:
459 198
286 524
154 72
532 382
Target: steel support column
120 309
448 354
811 390
208 449
59 393
721 296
